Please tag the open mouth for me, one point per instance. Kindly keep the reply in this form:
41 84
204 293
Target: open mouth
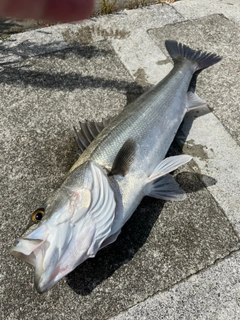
25 248
32 251
48 268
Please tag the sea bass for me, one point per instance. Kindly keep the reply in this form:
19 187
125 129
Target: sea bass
121 162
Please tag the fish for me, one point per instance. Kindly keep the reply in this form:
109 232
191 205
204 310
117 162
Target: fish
121 161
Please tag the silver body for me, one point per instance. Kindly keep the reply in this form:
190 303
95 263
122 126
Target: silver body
152 122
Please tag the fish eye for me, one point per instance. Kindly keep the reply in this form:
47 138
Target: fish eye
37 215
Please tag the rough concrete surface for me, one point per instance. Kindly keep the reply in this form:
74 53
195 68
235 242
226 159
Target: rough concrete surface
207 295
109 6
196 9
10 26
185 255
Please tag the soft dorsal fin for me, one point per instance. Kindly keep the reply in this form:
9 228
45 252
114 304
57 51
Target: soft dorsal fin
124 158
88 132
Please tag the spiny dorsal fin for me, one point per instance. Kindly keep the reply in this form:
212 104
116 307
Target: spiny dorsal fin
88 132
124 158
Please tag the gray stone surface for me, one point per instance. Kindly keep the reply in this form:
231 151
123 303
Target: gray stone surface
116 5
9 26
42 98
163 244
207 295
196 9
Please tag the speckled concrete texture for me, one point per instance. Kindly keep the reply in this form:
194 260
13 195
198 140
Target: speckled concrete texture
207 295
173 260
163 243
196 9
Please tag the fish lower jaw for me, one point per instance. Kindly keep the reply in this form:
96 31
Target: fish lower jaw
43 283
41 287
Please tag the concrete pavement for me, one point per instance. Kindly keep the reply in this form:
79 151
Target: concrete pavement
172 260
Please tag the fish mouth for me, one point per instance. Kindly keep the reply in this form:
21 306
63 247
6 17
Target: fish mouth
24 250
33 252
44 249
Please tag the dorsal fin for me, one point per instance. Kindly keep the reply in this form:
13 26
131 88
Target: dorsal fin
124 158
88 132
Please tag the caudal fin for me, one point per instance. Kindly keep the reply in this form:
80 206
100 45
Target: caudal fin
202 60
179 51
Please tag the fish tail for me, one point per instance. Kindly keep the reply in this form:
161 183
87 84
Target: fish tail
201 60
179 52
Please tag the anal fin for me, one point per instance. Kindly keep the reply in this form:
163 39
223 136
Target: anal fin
193 101
165 188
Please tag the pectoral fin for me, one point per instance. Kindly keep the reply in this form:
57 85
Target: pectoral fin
124 158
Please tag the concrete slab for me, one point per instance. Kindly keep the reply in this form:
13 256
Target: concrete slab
195 8
127 33
122 29
206 295
41 99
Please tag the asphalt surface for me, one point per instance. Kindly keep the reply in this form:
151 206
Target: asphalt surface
173 260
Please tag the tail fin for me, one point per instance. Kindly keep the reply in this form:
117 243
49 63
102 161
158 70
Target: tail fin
179 51
202 60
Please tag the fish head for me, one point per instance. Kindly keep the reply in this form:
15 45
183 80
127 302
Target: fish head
64 232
